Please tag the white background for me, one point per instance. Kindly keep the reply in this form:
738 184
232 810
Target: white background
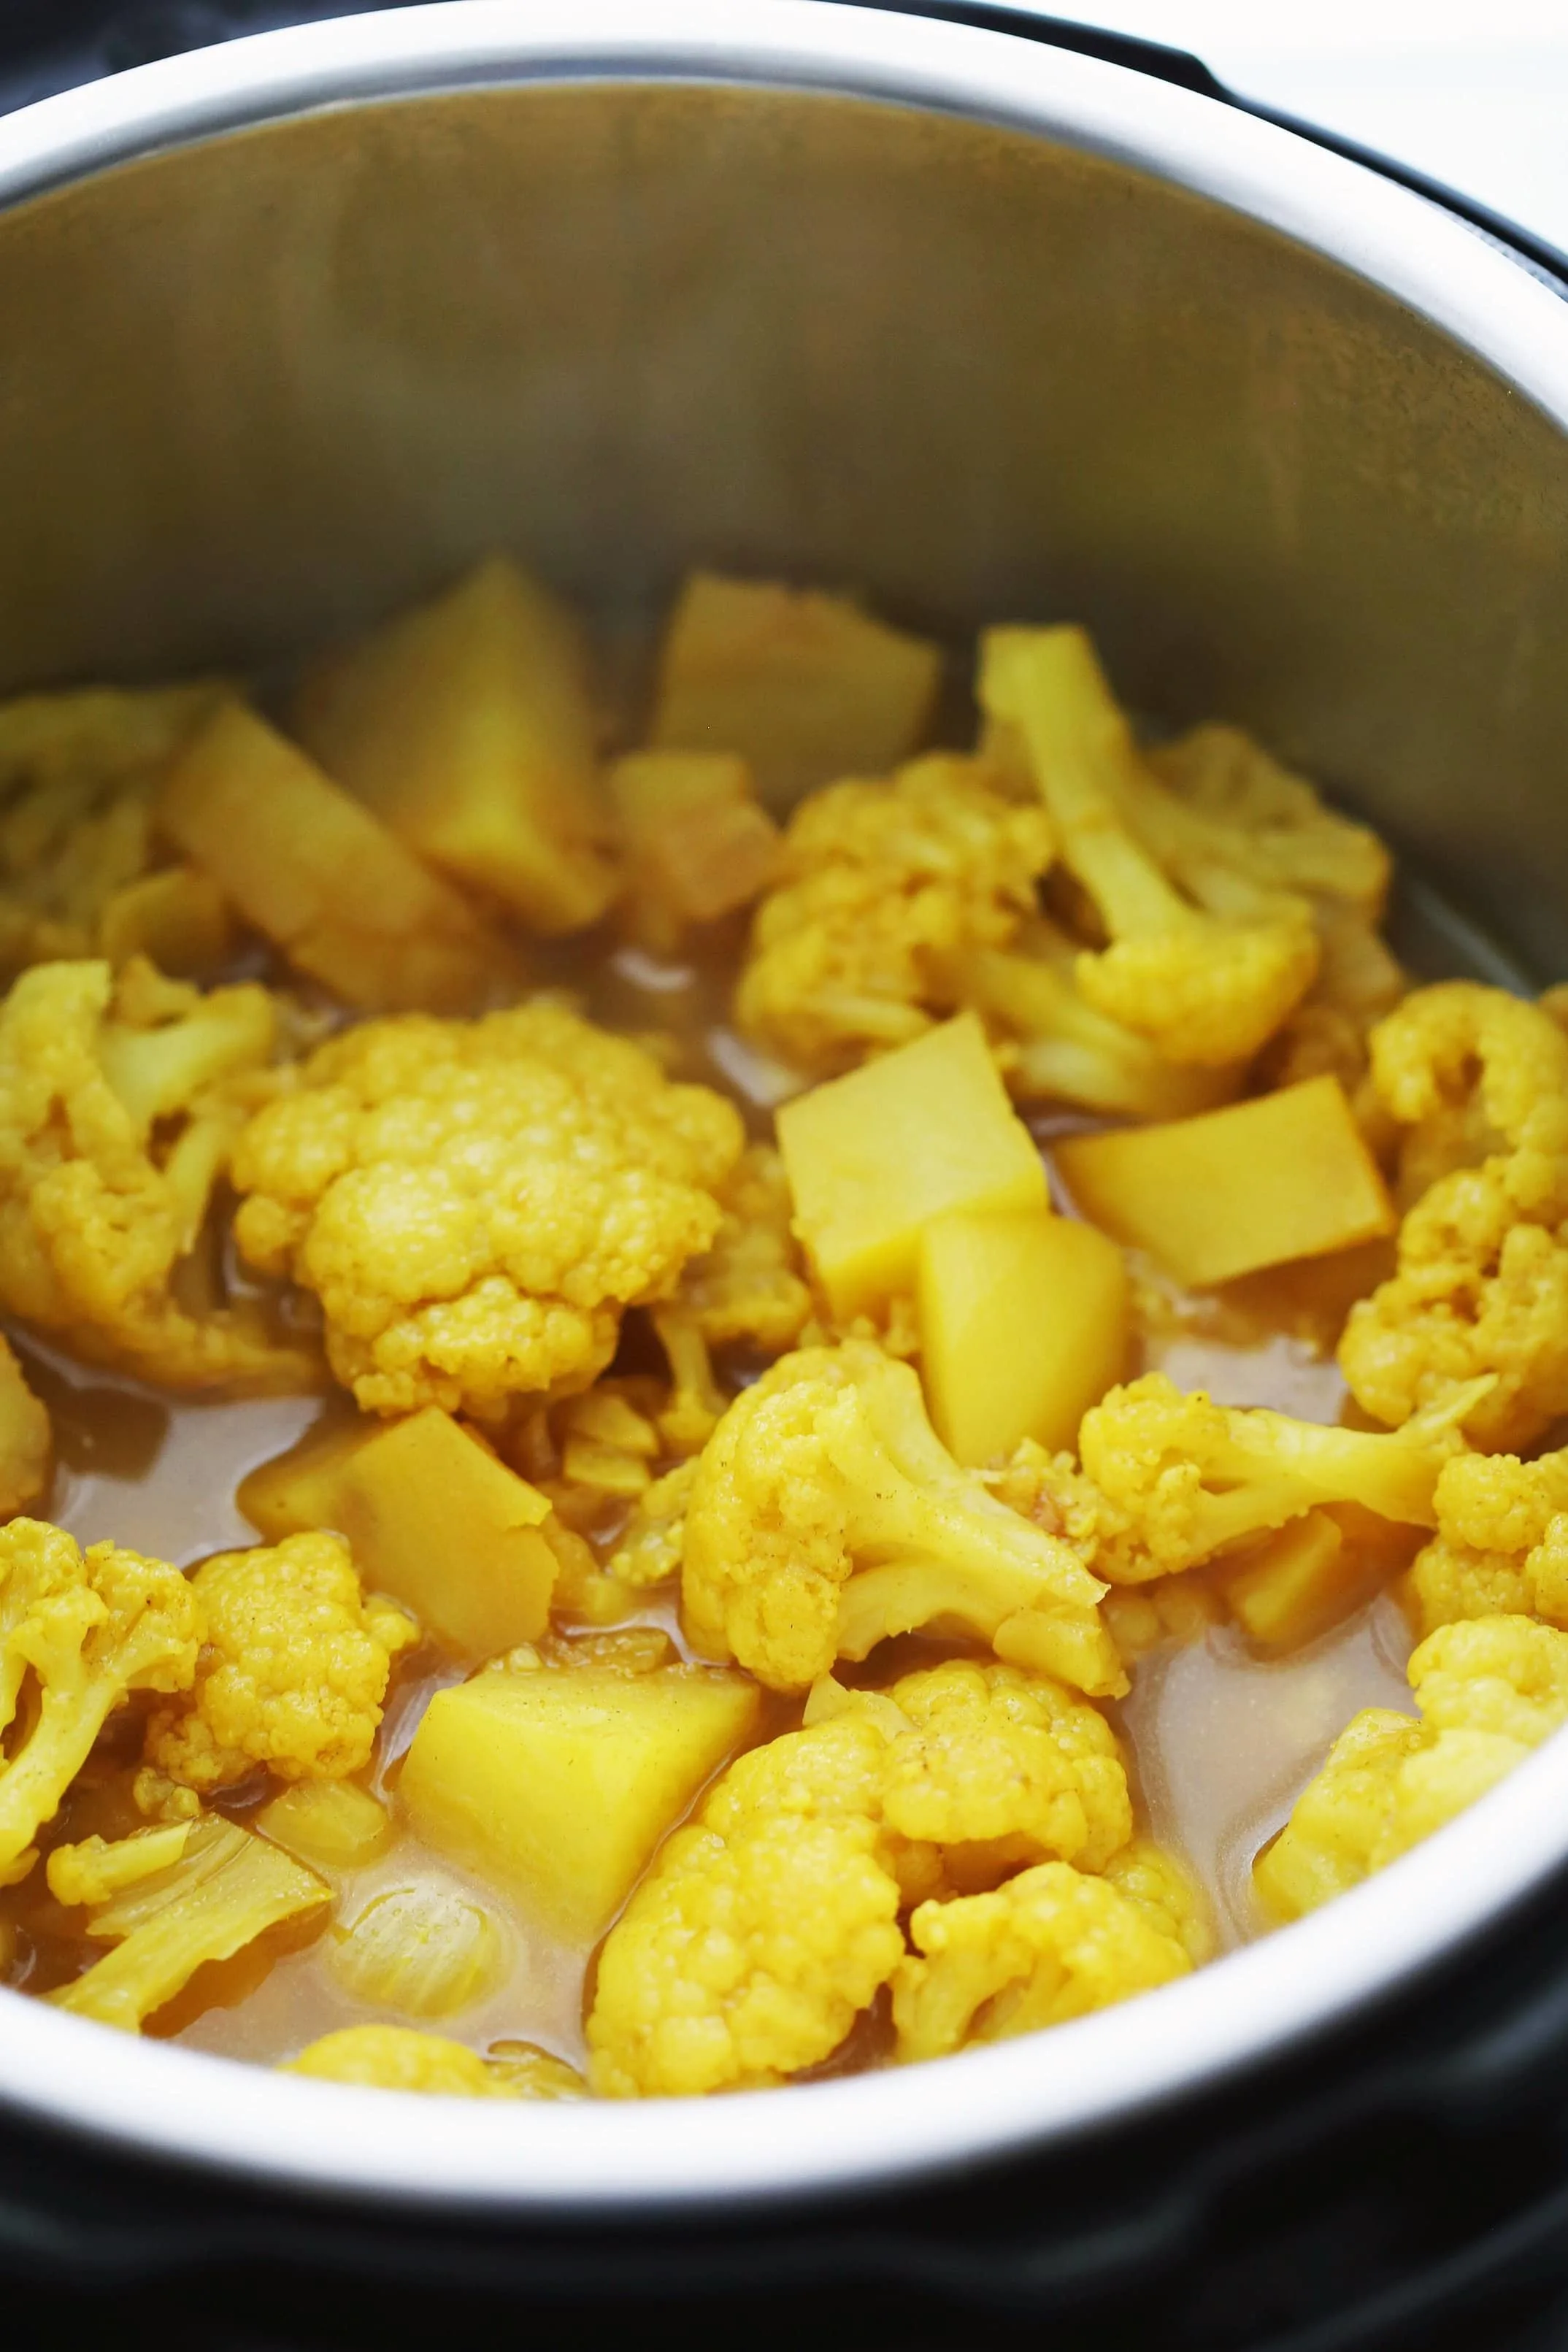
1474 92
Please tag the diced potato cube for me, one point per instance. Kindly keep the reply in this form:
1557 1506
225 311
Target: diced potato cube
432 1517
805 687
466 725
1285 1176
558 1786
697 844
1297 1583
178 918
1022 1321
316 874
873 1156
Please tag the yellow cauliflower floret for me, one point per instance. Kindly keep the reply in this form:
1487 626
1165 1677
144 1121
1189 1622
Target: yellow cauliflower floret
475 1202
1230 803
765 1927
1472 1074
750 1285
1006 1768
399 2058
1049 1945
827 1515
78 774
26 1439
88 1627
1179 1479
888 885
1502 1546
1155 1880
119 1104
1200 959
292 1672
1490 1689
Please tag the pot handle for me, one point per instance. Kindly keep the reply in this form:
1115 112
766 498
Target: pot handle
1185 71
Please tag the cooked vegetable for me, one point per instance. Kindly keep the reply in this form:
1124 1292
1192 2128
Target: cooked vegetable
119 1104
803 687
421 1948
1051 1944
1490 1689
697 844
887 888
433 1518
400 2058
559 1784
1284 1176
1208 975
330 1825
1173 1480
1300 1581
475 1203
27 1441
78 775
225 1889
748 1285
1024 1325
466 725
1478 1082
1502 1546
85 1629
293 1669
871 1158
765 1927
825 1516
321 878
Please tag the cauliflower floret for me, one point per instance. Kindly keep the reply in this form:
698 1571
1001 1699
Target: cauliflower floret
750 1285
1502 1546
1154 1880
887 886
119 1104
1229 803
653 1540
87 1629
1001 1767
398 2058
1051 1944
175 1908
1481 1284
475 1202
292 1671
827 1515
26 1439
1172 1480
78 775
1490 1689
1359 981
765 1927
1049 1041
1209 976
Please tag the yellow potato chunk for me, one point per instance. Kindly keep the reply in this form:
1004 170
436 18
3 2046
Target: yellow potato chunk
432 1517
873 1156
321 878
466 725
1022 1321
697 844
559 1785
805 687
1312 1574
1284 1176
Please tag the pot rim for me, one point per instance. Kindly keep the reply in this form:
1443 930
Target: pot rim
877 2129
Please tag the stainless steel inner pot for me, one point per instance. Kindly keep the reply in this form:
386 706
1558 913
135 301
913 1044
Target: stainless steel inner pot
291 329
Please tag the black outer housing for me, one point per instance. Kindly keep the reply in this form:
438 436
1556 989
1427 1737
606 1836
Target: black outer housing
1403 2179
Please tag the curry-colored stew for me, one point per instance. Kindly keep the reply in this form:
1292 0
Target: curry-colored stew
647 1346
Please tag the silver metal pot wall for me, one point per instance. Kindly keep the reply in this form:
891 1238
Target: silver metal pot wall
291 328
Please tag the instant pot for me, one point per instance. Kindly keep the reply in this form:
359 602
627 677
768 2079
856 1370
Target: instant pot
985 313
